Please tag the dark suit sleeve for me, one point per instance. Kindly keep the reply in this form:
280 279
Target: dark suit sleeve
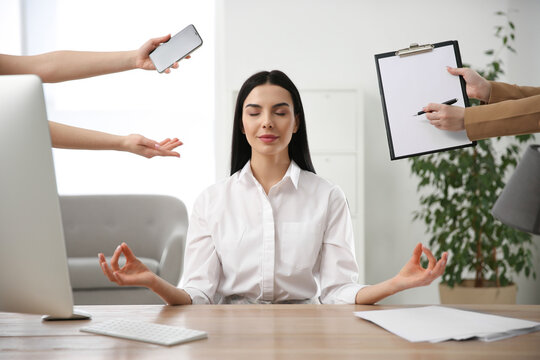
512 110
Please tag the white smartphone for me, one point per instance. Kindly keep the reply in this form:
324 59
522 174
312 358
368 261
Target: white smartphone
178 47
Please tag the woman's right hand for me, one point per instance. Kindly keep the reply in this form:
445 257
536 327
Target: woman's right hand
133 273
477 87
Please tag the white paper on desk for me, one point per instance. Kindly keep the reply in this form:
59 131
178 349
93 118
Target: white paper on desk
437 323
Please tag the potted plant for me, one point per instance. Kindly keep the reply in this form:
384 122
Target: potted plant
458 189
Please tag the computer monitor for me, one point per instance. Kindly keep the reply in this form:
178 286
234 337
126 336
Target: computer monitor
34 275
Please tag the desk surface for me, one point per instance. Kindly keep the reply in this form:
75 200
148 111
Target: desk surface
253 332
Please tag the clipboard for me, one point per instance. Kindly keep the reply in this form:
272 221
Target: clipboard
409 79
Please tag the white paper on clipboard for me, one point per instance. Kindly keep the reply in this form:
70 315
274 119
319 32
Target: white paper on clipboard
407 84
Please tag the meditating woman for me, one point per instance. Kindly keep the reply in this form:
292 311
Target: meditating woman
274 231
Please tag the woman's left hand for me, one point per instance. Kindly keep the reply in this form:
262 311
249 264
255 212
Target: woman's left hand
413 274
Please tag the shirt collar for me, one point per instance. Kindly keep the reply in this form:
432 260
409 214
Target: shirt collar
293 173
245 170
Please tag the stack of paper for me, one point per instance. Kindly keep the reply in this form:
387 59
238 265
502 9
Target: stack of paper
436 323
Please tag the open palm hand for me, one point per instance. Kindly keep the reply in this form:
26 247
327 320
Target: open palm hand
148 148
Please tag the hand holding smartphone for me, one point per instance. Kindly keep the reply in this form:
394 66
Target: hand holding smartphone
177 48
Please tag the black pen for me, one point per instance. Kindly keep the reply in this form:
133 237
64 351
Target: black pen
449 102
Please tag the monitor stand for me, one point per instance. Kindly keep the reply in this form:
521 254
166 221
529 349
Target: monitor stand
77 315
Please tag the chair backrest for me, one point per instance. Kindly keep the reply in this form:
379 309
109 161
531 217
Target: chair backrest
99 223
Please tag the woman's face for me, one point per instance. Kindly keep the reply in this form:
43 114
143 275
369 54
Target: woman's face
268 120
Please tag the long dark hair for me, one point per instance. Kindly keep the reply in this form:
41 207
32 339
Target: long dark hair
298 147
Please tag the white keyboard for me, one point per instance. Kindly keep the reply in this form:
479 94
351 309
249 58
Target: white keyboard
147 332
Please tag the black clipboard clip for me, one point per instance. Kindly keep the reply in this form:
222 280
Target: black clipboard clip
414 49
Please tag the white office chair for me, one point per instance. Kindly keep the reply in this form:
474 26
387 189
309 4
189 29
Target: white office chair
154 227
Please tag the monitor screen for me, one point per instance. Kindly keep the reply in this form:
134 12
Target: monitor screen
34 274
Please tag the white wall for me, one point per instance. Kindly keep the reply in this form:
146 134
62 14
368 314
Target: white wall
10 26
331 44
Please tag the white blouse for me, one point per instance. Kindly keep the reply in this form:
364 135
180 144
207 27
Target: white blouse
294 245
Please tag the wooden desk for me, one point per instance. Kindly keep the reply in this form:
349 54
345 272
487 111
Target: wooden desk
253 332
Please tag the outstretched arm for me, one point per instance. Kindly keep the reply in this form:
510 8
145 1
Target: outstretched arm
135 273
70 137
411 275
59 66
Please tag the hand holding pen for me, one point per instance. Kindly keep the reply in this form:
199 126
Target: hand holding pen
444 116
449 102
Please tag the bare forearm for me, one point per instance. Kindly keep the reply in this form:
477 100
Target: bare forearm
169 293
374 293
59 66
70 137
70 65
